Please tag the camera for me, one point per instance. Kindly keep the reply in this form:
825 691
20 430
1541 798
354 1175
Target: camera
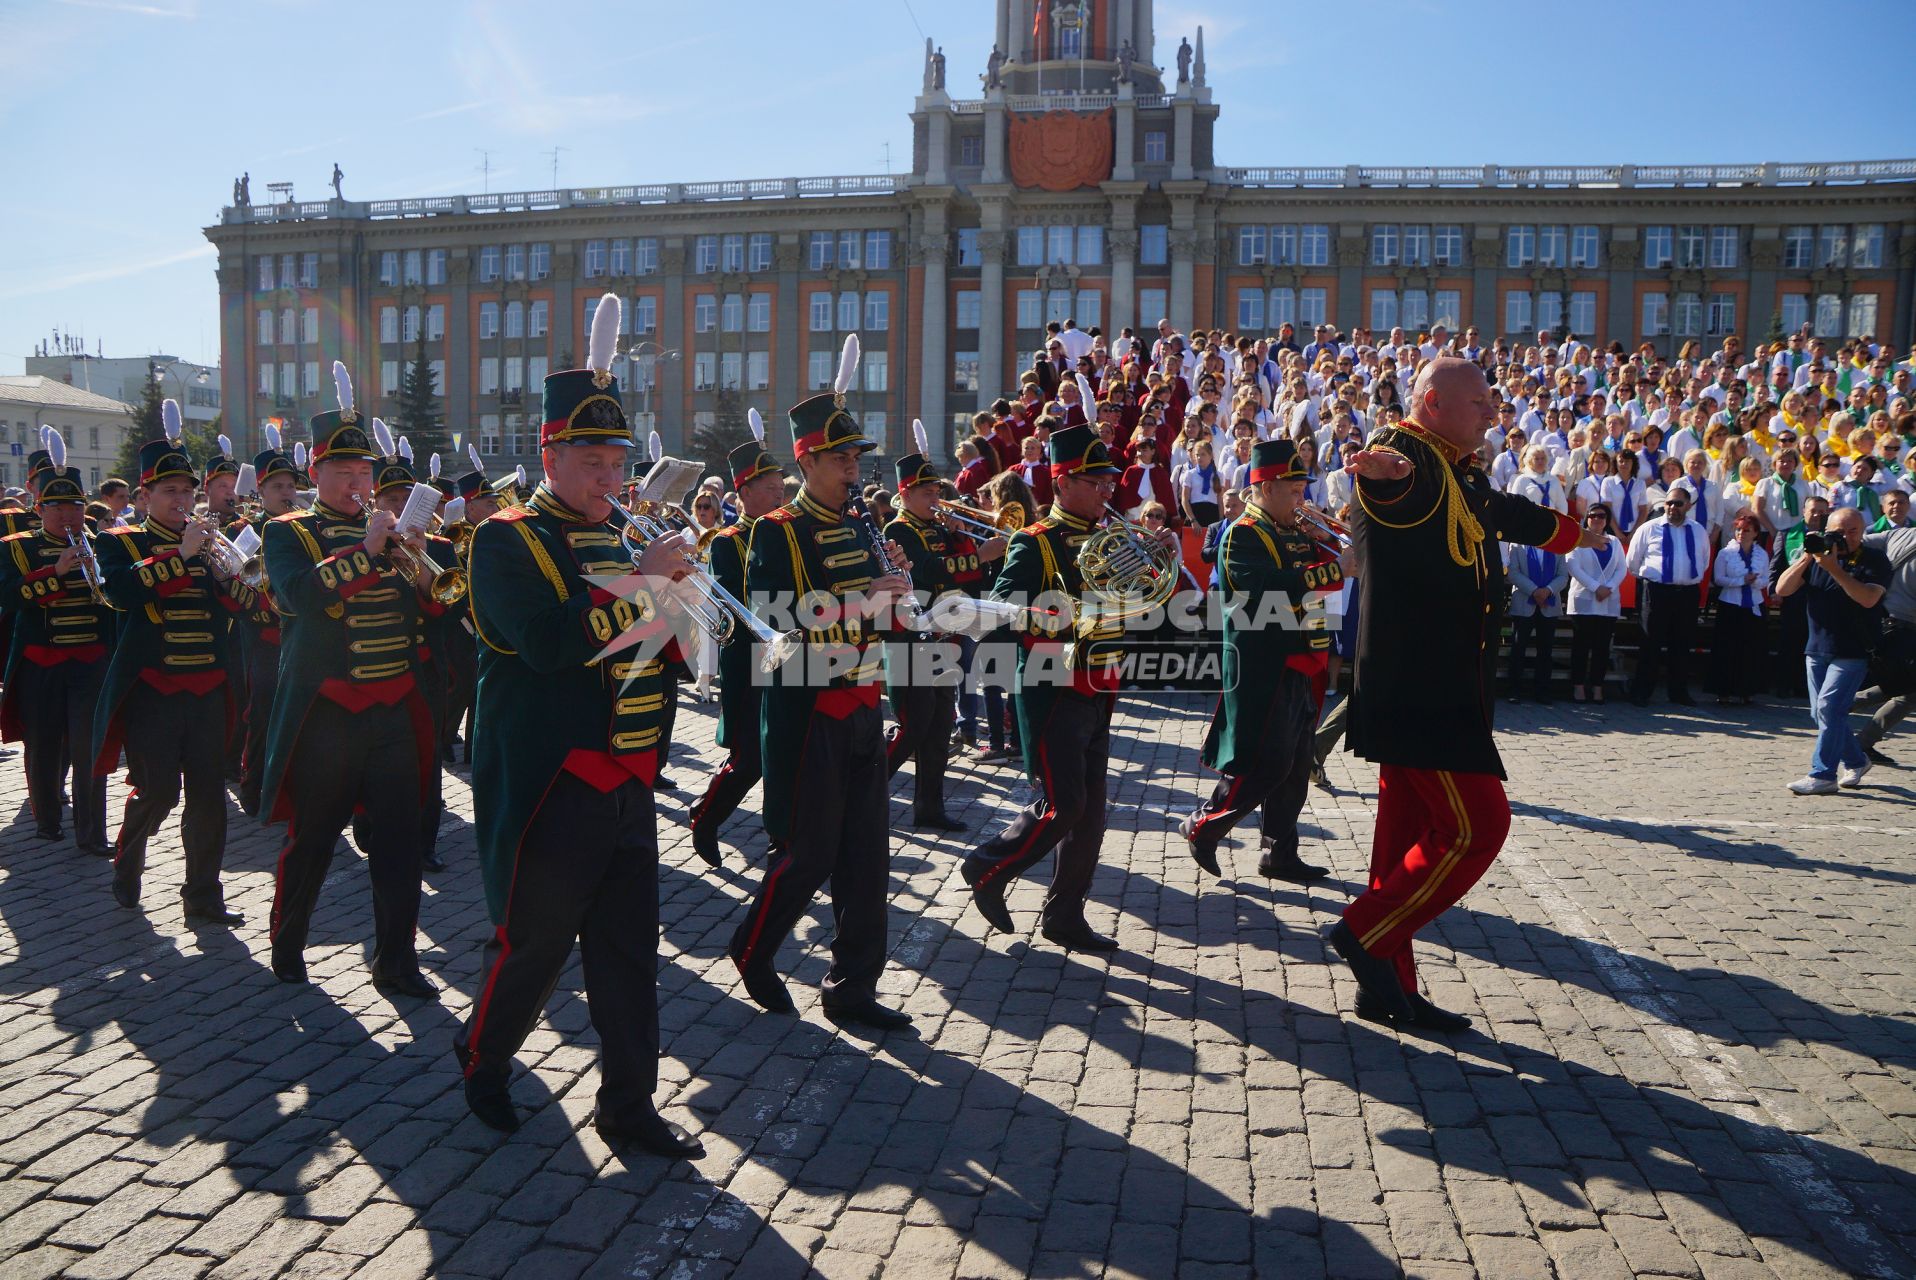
1816 542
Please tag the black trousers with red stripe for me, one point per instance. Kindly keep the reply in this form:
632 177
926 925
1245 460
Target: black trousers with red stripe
587 871
175 741
346 761
841 835
926 716
56 722
1073 753
262 683
736 777
1279 775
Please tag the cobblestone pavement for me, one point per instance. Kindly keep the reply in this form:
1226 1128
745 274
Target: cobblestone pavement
1696 1055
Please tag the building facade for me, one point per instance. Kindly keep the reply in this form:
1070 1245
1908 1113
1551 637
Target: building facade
94 426
195 386
1081 183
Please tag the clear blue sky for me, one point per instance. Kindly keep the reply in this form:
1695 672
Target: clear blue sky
126 120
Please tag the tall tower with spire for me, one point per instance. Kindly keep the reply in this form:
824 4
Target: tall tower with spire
1059 46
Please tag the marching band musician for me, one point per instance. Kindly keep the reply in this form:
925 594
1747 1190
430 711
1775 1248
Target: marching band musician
480 500
351 730
571 690
822 737
760 484
61 635
167 699
219 490
278 479
942 561
1065 729
1274 670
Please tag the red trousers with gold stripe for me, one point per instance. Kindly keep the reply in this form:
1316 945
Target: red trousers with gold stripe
1437 833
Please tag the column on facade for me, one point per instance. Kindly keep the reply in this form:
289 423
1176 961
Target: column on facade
1350 276
673 376
1122 243
1124 142
994 137
461 364
1766 255
789 329
1485 250
1620 324
933 250
1182 112
1183 233
937 109
991 294
238 355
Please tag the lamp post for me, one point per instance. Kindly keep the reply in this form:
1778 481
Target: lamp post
633 354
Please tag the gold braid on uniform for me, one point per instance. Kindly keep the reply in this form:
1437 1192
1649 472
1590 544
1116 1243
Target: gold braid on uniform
1463 534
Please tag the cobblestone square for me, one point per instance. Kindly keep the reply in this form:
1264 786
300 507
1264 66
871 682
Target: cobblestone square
1694 1054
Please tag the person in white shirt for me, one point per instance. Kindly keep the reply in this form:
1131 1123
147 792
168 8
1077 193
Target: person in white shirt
1596 579
1780 496
1589 491
1688 436
1199 488
1862 490
1706 501
1508 464
1739 650
1537 484
1538 579
1669 557
1627 495
1739 495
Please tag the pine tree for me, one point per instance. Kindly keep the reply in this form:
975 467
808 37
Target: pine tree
1775 333
417 414
729 430
144 423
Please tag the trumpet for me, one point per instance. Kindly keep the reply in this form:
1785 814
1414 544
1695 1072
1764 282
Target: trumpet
1328 532
444 586
711 607
227 561
976 522
89 566
1127 567
460 535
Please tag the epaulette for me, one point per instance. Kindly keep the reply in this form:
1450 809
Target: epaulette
784 515
15 537
510 513
121 531
285 516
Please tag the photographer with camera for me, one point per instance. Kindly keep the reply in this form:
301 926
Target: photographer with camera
1844 583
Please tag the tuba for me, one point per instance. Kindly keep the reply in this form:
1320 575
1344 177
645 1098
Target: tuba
1126 570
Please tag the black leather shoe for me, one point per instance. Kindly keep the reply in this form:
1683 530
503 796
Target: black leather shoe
705 844
1877 757
409 983
1423 1015
432 862
127 895
658 1135
868 1013
292 972
492 1105
43 833
1374 976
663 783
989 897
768 991
97 850
1293 868
1322 780
1078 936
1202 853
221 914
939 822
1683 700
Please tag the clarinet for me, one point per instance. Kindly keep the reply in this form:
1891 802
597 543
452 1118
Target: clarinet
908 610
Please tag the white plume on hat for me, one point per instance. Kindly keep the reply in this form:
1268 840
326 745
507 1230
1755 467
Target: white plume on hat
654 446
472 451
519 474
226 446
248 482
299 454
1085 398
604 338
56 449
270 434
455 510
757 424
919 437
847 365
405 449
170 420
343 388
432 467
383 438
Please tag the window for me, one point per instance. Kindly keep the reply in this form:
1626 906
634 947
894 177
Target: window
1862 315
1517 312
488 375
1723 243
1552 246
265 328
620 260
1314 248
876 368
389 268
1283 309
1154 244
849 258
436 322
1832 250
970 309
285 270
488 321
1383 247
732 312
820 251
731 369
758 370
436 261
732 253
1251 245
1867 247
964 372
645 255
489 433
1657 247
1154 146
309 270
1689 246
1722 314
541 260
704 312
287 372
1417 246
1686 315
1030 246
1383 310
1058 242
1284 245
1794 309
874 423
309 379
288 334
819 368
1413 310
536 320
1799 244
1583 314
758 255
758 313
848 310
595 259
1030 309
1448 242
515 320
1310 307
878 251
1829 315
1057 306
1090 246
1089 308
821 312
515 369
409 324
266 282
1447 309
645 314
878 310
515 262
967 254
309 325
415 272
1656 315
1583 246
489 263
1520 250
1549 305
266 379
971 150
389 377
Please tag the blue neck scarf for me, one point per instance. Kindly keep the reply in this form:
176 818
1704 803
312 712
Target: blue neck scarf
1747 590
1689 550
1603 555
1543 571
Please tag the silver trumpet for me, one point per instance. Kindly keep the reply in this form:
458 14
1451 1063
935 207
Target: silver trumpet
89 566
1325 530
228 562
715 610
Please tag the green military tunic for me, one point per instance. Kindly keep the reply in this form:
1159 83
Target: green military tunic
738 696
1275 571
942 563
55 618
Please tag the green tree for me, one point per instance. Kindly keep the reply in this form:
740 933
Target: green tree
417 415
147 422
1776 327
729 429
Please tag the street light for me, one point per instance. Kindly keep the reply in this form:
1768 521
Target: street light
632 355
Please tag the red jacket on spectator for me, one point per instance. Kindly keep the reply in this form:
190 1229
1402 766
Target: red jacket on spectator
973 476
1005 439
1037 475
1130 489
